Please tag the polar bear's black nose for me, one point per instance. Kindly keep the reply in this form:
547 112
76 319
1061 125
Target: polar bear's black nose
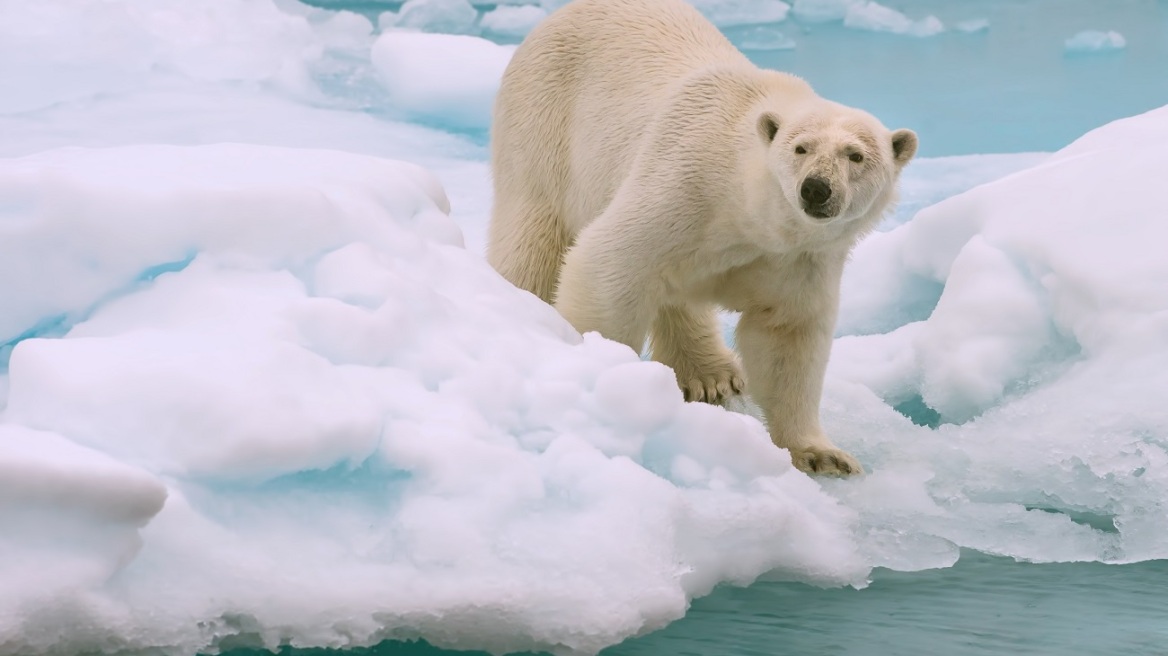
815 191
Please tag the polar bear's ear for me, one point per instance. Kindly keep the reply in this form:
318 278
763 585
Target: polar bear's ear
904 146
768 126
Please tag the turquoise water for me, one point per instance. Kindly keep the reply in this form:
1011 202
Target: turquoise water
982 606
1008 89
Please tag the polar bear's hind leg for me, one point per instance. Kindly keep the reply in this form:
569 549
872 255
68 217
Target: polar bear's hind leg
526 245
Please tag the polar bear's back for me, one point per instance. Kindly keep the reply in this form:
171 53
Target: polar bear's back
582 89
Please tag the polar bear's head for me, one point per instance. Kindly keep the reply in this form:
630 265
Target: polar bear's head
835 163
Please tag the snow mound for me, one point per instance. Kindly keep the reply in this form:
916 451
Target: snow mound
1095 41
1041 365
448 79
273 379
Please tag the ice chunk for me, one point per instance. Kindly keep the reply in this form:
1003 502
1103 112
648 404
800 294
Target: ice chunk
878 18
1053 290
340 398
729 13
70 514
1095 41
512 21
445 78
44 472
446 16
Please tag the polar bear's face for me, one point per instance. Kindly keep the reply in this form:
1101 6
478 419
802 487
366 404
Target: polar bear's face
836 165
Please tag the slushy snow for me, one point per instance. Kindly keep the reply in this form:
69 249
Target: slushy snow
258 385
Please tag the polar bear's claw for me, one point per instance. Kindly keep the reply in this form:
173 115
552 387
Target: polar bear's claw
715 387
826 461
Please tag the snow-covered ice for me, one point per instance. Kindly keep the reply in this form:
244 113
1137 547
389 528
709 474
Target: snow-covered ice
1043 356
248 324
256 379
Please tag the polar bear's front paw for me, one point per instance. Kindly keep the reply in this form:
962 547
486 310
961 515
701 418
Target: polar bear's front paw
825 461
712 384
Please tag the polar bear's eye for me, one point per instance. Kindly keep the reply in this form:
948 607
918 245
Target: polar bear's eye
800 150
856 157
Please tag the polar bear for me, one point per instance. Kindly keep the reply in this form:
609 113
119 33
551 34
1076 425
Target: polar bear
646 174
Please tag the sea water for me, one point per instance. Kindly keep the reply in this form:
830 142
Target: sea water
1010 87
982 606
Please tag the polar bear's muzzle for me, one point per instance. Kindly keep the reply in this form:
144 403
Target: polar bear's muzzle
816 196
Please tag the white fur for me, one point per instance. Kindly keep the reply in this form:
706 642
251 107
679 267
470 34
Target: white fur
638 187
